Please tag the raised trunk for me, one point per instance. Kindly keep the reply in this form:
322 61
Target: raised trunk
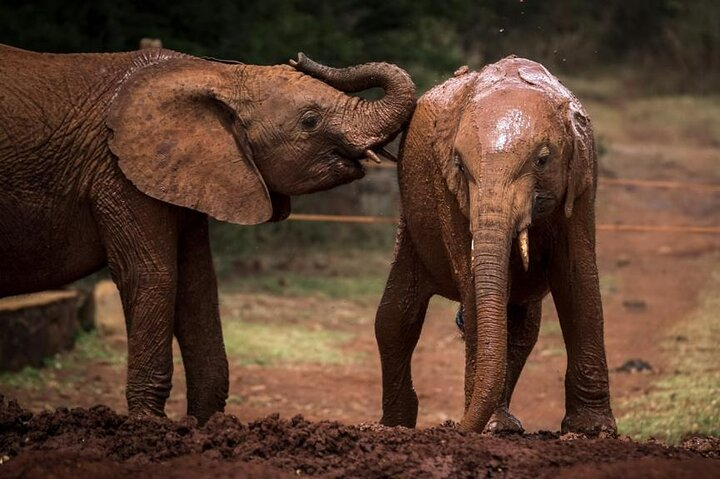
375 122
492 239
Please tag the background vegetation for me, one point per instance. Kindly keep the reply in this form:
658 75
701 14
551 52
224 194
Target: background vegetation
673 44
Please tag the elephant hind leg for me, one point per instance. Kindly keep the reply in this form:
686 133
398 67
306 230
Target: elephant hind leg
523 329
398 324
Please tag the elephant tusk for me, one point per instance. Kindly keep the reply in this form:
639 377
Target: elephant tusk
373 156
524 248
293 63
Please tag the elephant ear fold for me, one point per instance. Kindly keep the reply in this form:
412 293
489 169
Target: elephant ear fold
582 162
444 104
176 139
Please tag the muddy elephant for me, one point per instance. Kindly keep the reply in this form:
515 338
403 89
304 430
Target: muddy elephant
118 159
497 178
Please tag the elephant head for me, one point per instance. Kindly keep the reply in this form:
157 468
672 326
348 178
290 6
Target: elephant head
235 141
516 150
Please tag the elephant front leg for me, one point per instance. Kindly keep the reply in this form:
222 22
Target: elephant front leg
398 324
197 324
575 288
523 329
140 237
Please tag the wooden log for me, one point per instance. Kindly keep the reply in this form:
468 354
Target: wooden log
36 326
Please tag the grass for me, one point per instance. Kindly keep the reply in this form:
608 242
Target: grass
298 284
271 344
88 347
688 401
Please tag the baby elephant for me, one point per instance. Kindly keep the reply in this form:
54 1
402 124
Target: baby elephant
497 178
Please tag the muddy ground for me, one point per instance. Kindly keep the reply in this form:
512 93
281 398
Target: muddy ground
651 283
98 442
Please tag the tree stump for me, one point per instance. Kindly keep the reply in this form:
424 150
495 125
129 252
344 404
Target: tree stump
36 326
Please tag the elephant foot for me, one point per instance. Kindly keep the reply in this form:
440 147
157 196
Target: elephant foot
502 422
590 423
402 420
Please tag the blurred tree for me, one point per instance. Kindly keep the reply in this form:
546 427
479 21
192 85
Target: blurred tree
429 38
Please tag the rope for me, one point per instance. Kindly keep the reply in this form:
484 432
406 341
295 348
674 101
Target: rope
684 185
344 219
616 228
607 181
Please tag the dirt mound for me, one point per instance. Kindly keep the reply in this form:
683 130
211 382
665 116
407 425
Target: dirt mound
97 442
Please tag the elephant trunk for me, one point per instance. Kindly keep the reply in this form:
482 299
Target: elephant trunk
492 240
371 123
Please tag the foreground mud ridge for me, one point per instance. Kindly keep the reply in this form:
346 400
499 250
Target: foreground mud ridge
100 442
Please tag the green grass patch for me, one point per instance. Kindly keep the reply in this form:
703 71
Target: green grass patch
88 347
272 344
298 284
688 401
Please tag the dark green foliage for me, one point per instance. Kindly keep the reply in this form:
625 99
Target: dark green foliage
429 38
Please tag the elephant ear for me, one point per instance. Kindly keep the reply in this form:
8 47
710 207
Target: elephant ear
176 139
582 163
581 166
445 104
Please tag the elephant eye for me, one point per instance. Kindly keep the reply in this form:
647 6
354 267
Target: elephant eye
541 161
310 121
543 157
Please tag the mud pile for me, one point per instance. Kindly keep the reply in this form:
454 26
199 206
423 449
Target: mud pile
97 442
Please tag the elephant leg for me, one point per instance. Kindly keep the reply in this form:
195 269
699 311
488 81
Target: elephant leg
140 238
398 323
197 324
575 288
523 329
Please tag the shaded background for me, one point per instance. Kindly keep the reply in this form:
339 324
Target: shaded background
671 44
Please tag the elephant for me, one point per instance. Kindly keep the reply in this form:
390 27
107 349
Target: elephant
497 176
118 159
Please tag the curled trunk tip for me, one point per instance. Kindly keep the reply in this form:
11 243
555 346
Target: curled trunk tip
376 121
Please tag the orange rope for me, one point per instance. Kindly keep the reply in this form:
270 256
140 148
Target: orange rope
601 227
344 219
685 185
607 181
658 229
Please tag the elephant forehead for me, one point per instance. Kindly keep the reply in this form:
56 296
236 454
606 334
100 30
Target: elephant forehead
502 130
509 128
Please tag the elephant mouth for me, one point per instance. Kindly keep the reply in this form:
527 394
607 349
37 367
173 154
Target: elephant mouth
349 167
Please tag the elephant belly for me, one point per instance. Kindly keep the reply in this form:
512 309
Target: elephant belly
44 247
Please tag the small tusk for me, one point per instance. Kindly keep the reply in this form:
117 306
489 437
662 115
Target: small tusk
293 63
524 248
371 154
384 152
